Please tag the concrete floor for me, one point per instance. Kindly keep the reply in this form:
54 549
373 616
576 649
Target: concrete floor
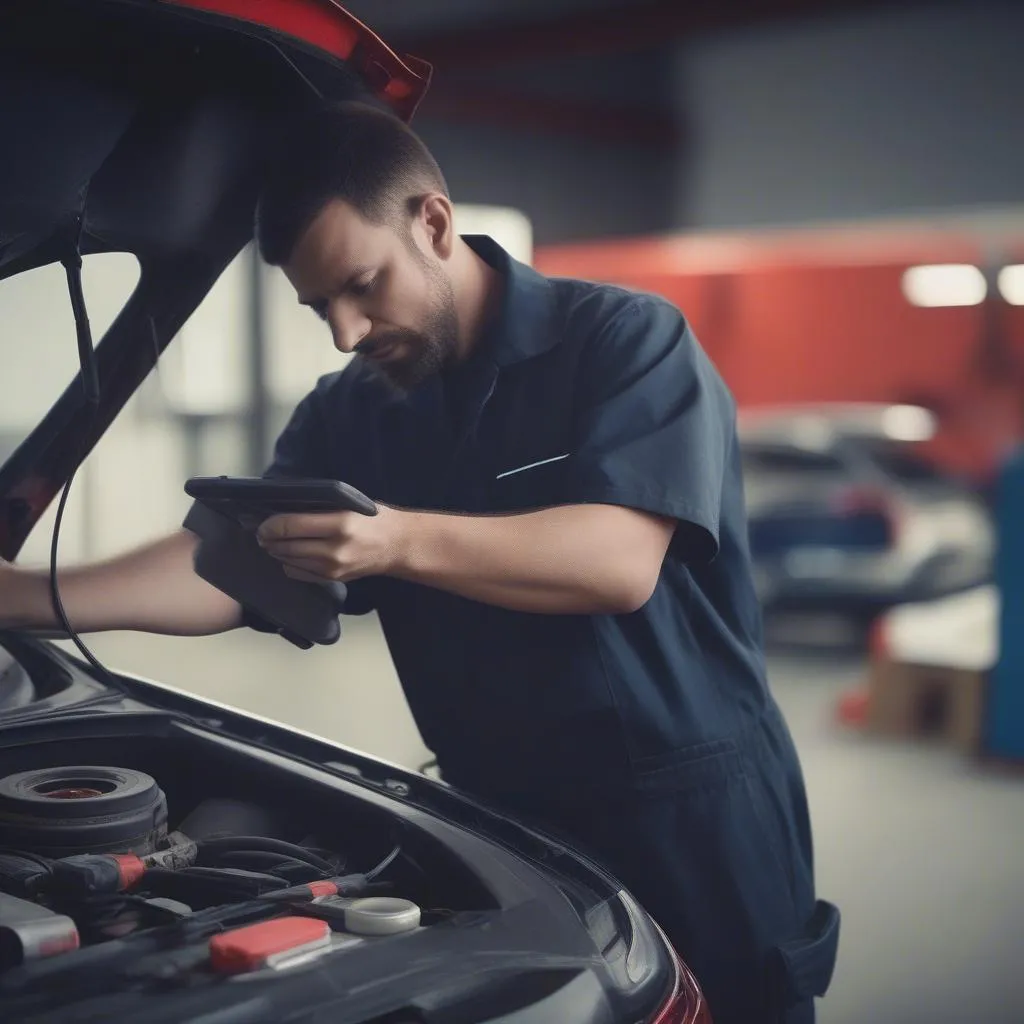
922 851
924 854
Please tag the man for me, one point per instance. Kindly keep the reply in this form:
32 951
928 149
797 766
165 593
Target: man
560 562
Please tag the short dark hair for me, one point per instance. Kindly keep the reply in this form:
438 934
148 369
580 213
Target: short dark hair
349 151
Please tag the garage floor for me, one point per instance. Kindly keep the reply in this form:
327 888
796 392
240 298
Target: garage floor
923 852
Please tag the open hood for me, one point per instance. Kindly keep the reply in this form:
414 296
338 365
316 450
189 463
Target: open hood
139 126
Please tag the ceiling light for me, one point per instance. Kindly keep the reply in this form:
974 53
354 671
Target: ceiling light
945 284
908 423
1011 284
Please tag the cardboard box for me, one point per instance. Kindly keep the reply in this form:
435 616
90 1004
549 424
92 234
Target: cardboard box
930 668
913 700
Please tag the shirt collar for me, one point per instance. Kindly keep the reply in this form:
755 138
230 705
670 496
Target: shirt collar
525 323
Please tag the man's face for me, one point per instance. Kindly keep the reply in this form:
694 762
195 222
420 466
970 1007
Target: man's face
383 293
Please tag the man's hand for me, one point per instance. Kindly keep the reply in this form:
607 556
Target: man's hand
338 546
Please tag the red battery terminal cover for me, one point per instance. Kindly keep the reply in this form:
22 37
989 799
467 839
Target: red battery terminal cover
260 945
130 869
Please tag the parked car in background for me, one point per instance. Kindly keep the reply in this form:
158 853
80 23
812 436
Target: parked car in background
846 517
164 858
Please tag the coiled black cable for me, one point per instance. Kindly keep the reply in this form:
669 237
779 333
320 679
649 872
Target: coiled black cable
289 868
376 872
90 381
209 849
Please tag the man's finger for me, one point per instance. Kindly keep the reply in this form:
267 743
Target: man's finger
290 550
298 526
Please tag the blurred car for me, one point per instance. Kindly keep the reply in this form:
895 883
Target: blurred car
846 517
214 865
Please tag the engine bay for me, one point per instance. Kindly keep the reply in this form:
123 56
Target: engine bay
90 859
185 861
167 859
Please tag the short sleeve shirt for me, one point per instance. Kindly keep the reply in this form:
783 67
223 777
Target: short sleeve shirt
577 393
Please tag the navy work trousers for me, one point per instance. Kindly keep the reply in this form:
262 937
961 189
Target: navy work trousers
717 849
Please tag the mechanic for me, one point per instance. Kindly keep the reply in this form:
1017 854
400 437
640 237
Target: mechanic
559 565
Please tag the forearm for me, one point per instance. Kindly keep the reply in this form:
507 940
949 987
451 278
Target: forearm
565 560
153 589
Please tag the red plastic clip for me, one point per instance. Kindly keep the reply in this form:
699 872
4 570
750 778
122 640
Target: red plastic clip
264 944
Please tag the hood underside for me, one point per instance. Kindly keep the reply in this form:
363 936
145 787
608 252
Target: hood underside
141 126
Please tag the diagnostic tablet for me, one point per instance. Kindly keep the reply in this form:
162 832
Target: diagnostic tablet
250 500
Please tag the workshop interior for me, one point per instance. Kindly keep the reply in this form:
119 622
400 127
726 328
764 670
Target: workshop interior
833 195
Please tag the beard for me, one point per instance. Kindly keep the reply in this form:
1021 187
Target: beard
428 350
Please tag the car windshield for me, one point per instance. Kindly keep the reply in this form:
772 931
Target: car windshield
902 463
788 460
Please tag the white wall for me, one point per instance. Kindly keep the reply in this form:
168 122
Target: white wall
40 349
127 492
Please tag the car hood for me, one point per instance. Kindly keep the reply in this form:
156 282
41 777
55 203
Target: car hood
139 126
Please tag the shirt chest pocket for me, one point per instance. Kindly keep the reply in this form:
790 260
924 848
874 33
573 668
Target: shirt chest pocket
531 483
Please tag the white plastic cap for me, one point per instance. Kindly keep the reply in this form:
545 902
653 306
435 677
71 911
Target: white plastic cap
381 915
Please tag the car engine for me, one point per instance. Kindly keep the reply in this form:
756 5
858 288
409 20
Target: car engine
89 858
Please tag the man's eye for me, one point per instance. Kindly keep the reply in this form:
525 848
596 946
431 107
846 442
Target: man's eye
361 288
320 308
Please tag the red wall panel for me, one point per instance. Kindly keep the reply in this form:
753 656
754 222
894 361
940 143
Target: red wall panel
824 318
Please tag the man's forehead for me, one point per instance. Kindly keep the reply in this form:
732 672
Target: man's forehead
344 227
339 239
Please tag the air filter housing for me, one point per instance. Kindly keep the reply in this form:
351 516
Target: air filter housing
57 812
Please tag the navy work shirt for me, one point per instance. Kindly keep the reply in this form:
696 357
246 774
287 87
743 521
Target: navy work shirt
577 393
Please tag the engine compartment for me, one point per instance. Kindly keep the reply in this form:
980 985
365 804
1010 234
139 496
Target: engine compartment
90 849
163 858
176 858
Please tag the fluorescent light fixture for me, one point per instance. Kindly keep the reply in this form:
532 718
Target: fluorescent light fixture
945 284
1011 284
908 423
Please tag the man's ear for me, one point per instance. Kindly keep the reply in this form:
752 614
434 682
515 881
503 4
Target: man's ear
438 220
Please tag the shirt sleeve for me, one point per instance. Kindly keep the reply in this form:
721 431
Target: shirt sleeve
653 424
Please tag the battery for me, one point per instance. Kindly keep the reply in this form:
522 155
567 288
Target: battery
267 943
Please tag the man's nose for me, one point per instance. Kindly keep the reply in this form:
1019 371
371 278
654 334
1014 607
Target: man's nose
349 328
